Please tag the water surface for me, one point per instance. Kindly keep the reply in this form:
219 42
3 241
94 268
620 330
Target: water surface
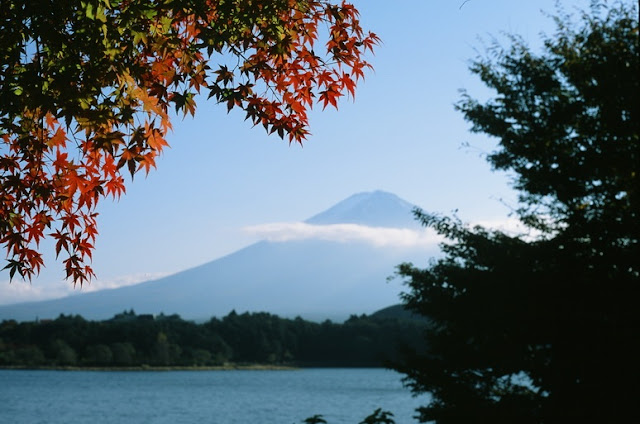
342 396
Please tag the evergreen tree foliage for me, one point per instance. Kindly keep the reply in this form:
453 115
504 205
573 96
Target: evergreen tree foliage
130 340
541 327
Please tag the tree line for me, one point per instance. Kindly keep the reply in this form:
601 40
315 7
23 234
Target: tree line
132 340
531 328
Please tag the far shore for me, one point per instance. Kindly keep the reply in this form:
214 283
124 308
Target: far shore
226 367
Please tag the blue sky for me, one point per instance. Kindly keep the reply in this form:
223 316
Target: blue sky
221 179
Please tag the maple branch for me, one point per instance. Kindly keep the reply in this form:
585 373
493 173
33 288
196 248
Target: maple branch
112 87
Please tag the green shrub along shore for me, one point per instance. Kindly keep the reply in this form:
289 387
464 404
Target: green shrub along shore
237 341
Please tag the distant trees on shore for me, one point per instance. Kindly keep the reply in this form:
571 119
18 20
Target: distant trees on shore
130 340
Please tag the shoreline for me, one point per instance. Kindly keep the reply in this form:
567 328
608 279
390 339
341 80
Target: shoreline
226 367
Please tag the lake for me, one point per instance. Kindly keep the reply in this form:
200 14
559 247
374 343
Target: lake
342 396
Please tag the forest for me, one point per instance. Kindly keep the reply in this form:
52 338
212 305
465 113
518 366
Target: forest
132 340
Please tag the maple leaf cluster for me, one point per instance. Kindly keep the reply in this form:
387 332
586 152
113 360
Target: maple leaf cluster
87 89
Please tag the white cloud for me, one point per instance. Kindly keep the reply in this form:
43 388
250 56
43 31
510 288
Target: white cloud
23 291
122 280
377 236
510 226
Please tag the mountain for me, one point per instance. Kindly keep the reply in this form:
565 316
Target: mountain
375 209
315 279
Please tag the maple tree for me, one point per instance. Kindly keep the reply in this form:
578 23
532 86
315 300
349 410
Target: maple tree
87 89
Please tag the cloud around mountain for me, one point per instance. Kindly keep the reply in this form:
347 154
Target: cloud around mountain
345 233
22 291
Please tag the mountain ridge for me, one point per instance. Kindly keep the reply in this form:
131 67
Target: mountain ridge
316 279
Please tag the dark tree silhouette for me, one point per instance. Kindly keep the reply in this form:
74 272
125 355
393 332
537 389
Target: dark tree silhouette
540 328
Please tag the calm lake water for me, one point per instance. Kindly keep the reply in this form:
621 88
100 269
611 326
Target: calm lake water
342 396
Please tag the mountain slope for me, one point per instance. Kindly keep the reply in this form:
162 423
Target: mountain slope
316 279
375 209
